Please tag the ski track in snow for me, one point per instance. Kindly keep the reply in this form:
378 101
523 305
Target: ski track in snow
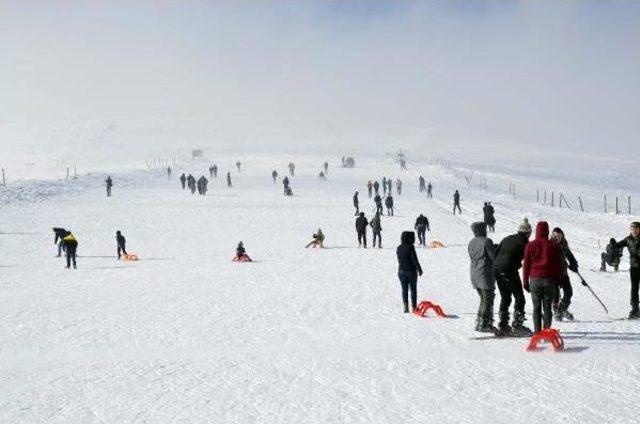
185 335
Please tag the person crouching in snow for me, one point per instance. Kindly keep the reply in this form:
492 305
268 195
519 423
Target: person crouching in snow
482 254
318 240
241 254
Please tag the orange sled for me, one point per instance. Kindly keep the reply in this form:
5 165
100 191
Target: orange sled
130 257
436 244
242 258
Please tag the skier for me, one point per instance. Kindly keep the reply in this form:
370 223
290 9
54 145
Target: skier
376 228
632 243
109 182
612 256
456 202
369 188
241 254
121 243
489 219
399 186
292 168
361 229
326 167
229 185
376 186
238 165
183 180
59 235
274 175
378 201
318 240
567 260
429 191
169 172
421 226
482 255
408 269
388 202
540 271
384 185
508 262
70 247
421 181
356 203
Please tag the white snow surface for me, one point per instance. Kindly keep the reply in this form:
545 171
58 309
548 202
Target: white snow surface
300 335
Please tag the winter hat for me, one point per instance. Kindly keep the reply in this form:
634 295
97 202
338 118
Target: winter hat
525 227
558 230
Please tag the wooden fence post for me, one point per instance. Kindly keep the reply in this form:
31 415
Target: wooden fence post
581 207
4 182
552 198
629 203
617 210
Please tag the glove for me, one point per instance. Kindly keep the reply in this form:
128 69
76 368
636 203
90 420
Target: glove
527 287
573 268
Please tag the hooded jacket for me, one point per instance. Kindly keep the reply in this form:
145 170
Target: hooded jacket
406 253
361 223
511 252
482 255
541 257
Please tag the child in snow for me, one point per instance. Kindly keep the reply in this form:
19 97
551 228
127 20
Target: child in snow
318 240
241 254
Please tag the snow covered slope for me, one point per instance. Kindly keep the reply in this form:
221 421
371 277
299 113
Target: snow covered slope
185 335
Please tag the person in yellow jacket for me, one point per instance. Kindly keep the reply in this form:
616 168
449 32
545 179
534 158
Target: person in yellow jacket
70 246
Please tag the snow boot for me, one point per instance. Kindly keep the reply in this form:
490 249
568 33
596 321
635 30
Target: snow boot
517 326
406 308
603 269
562 313
478 323
486 326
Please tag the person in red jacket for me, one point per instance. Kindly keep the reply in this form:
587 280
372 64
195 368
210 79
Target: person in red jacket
541 271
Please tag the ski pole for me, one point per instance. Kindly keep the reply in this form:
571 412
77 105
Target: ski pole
584 283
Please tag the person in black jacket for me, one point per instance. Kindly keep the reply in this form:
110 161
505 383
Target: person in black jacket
59 235
121 242
632 243
274 175
612 256
361 229
421 226
356 203
378 201
429 191
489 217
568 261
183 180
507 263
456 202
389 204
109 182
376 186
408 269
376 228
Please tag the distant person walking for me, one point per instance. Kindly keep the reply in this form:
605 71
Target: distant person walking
109 183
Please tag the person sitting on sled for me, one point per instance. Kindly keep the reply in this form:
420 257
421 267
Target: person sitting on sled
318 240
241 254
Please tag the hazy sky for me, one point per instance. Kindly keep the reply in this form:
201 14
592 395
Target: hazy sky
550 73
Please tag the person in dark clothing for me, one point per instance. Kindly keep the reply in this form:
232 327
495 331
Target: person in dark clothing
202 185
632 243
429 191
285 184
292 169
456 202
408 269
376 186
169 172
274 175
370 188
326 167
191 183
321 176
361 229
183 180
229 185
109 182
378 201
399 186
389 186
422 184
288 191
210 171
421 226
567 261
489 217
215 171
612 256
508 262
482 256
356 203
388 202
121 243
384 185
376 229
59 239
540 272
70 247
238 165
241 254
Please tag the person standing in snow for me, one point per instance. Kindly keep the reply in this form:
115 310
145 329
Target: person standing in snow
429 191
183 180
389 204
229 185
238 165
456 202
421 226
507 264
611 256
384 185
356 203
399 186
376 186
389 185
274 175
292 169
326 167
70 247
122 244
408 269
210 171
482 256
376 229
191 183
215 171
489 218
632 243
567 261
378 201
169 172
361 229
540 273
369 188
109 183
422 186
285 183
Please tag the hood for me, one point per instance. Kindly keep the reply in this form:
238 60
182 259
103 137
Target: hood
479 229
542 230
408 237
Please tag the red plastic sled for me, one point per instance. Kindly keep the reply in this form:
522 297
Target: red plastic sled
242 258
548 334
425 305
